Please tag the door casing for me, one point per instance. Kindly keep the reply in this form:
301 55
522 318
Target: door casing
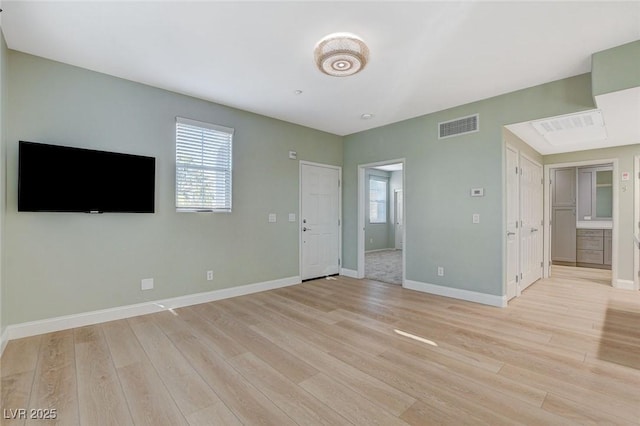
636 245
361 214
512 233
615 216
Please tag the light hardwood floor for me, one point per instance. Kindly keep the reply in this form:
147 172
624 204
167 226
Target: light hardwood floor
327 352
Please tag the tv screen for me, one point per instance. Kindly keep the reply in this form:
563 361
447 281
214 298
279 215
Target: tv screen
54 178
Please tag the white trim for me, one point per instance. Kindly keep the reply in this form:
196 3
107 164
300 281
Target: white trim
504 224
635 183
204 124
361 215
615 214
49 325
625 284
349 273
4 339
457 293
340 227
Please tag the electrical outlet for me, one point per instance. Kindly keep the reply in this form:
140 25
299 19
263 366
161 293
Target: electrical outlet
440 271
209 275
476 218
146 284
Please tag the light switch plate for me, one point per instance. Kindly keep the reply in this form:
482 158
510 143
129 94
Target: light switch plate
292 217
272 217
476 218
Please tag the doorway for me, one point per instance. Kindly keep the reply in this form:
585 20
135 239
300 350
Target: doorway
320 220
381 221
581 216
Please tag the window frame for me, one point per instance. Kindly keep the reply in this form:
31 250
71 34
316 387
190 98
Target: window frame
224 136
385 203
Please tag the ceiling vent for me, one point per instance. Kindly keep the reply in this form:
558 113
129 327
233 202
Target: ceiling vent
459 126
572 128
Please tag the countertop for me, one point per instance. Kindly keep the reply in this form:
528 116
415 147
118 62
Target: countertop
594 224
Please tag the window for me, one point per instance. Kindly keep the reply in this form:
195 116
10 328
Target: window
203 166
377 200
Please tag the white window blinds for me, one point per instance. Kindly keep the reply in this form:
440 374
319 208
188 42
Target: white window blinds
203 166
377 200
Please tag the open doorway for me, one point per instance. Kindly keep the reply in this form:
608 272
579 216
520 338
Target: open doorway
382 219
581 218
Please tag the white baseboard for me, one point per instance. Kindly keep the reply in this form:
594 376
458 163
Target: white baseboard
626 284
49 325
457 293
349 273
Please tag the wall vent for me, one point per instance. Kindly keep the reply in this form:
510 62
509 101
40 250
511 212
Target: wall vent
572 128
459 126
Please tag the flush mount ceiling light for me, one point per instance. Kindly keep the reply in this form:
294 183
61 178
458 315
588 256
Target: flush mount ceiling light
341 54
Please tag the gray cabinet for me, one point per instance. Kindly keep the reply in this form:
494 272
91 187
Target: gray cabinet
594 248
563 220
595 193
607 247
564 187
563 244
585 189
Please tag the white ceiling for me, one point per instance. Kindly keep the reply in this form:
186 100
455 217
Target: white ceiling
425 56
621 114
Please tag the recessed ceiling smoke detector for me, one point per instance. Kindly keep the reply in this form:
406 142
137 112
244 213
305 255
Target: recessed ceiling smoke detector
341 54
572 128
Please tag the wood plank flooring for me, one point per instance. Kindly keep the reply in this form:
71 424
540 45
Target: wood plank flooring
345 351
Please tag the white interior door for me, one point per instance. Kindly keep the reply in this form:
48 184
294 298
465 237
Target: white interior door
513 215
531 215
398 219
319 221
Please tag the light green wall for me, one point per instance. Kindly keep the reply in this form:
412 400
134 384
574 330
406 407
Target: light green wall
3 111
625 156
376 234
66 263
520 145
439 175
616 69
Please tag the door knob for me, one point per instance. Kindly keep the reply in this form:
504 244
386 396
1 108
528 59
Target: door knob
305 229
510 233
534 229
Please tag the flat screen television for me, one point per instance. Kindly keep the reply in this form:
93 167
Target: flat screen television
53 178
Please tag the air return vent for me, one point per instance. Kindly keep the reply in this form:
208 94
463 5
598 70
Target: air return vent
572 128
459 126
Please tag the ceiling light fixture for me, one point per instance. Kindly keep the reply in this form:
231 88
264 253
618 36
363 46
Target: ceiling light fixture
341 54
366 116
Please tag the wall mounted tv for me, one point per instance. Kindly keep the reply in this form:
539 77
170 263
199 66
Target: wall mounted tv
53 178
